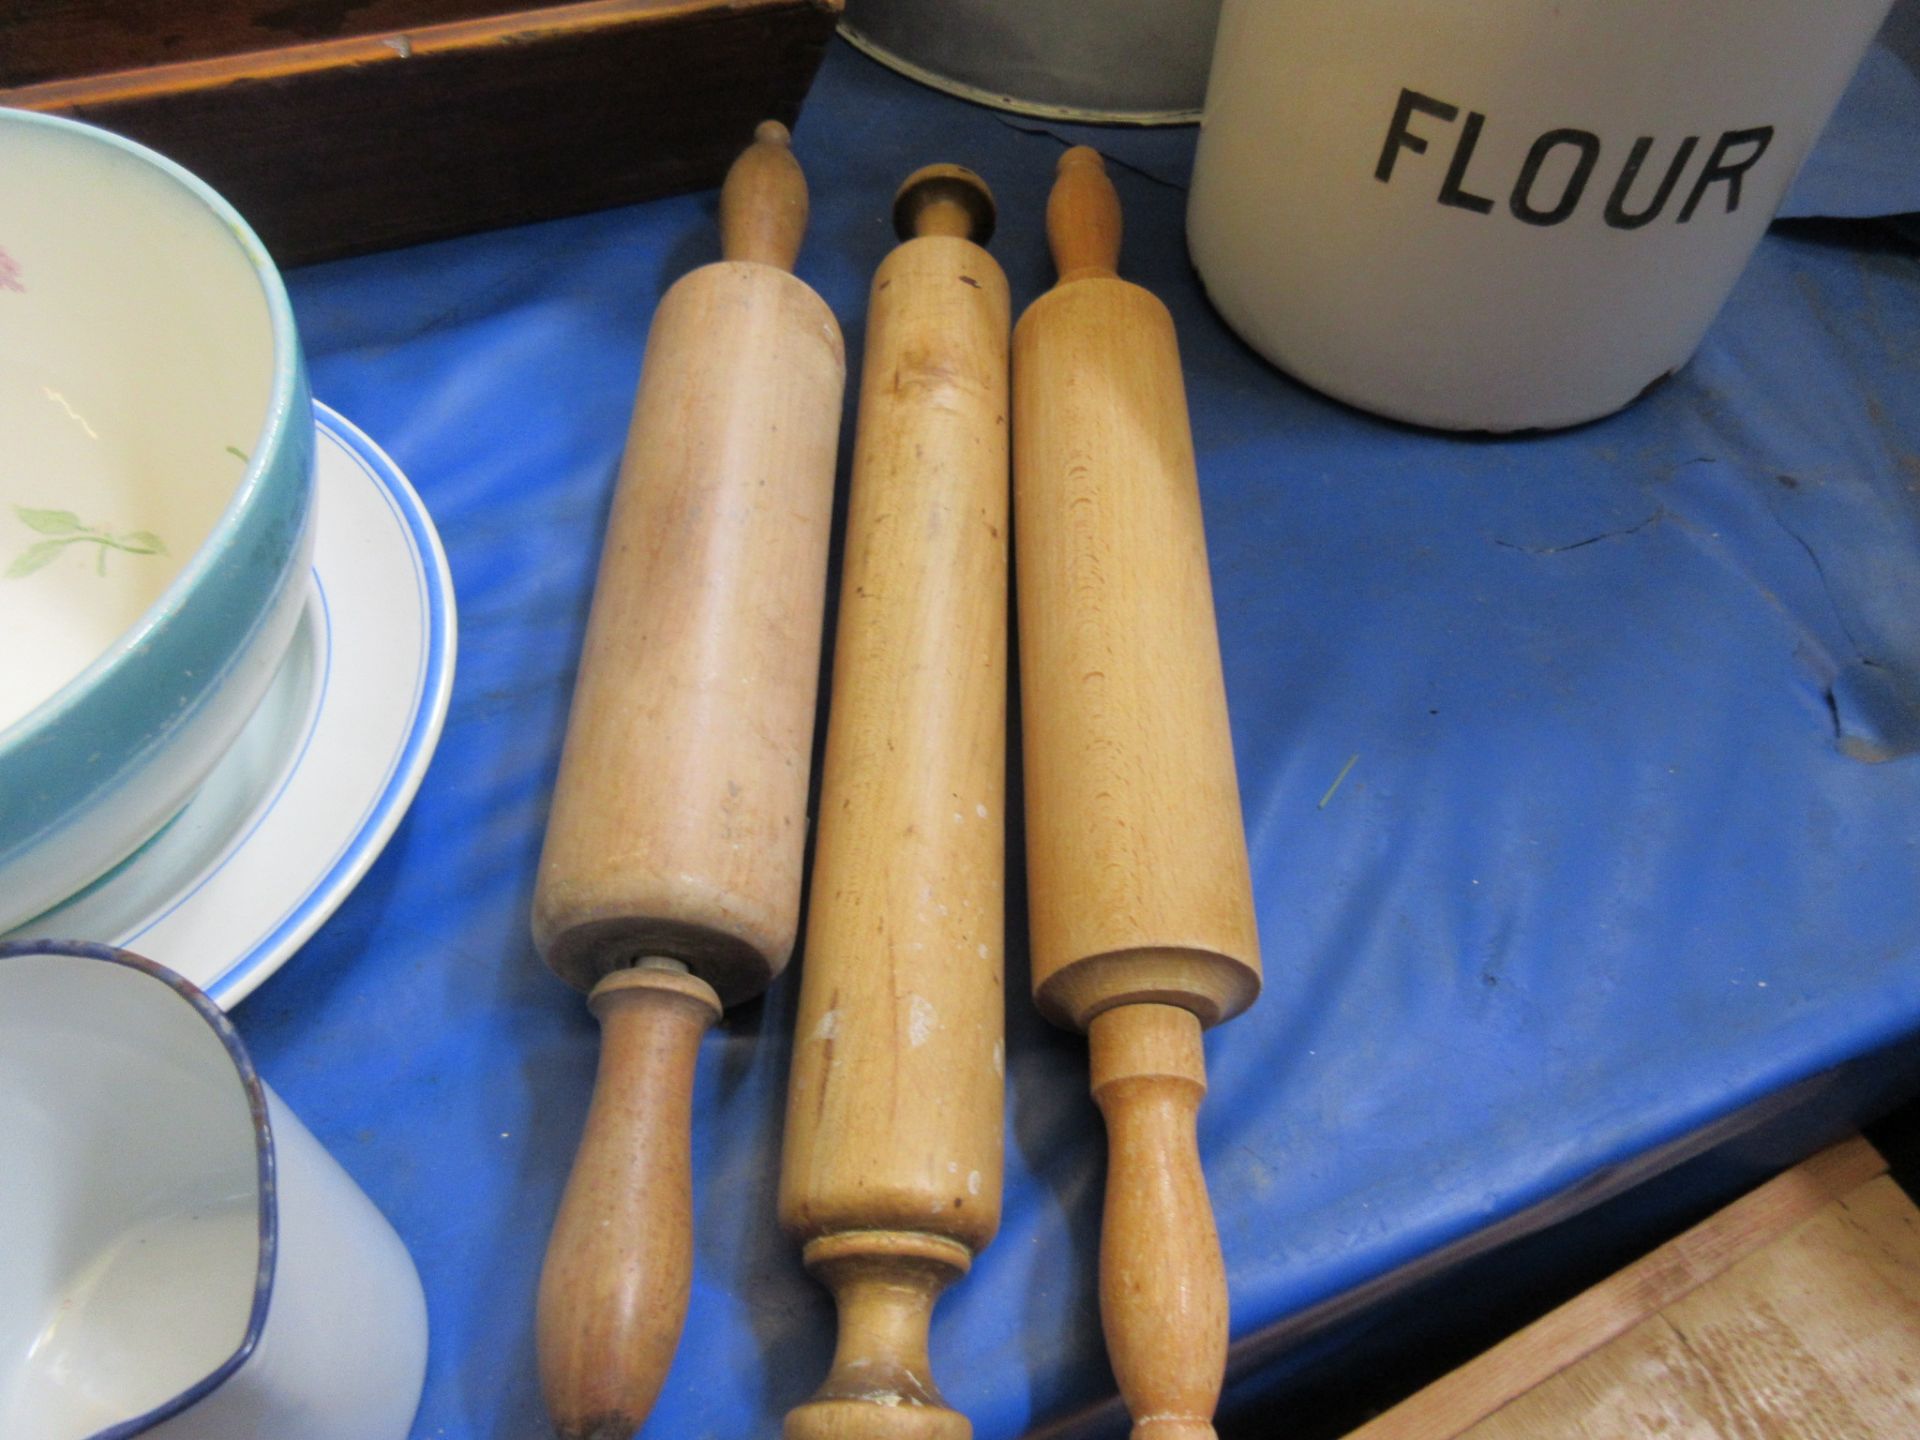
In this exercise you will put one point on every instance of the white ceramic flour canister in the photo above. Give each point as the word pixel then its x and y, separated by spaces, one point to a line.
pixel 1505 214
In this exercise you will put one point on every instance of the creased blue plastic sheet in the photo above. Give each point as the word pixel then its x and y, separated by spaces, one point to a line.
pixel 1868 160
pixel 1578 772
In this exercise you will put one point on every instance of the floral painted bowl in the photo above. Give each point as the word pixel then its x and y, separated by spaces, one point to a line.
pixel 156 484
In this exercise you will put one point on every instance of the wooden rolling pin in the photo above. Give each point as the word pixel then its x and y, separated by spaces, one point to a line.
pixel 1141 906
pixel 670 881
pixel 892 1168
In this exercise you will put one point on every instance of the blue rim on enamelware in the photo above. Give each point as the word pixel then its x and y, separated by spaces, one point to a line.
pixel 384 814
pixel 433 579
pixel 263 1150
pixel 288 388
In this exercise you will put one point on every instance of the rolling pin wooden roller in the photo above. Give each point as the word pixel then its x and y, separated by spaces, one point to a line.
pixel 1140 903
pixel 892 1167
pixel 670 882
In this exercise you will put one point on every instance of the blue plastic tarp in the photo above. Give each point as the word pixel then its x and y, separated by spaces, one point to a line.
pixel 1578 772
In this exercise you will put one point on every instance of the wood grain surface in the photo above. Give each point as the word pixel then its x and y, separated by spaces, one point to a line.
pixel 669 883
pixel 1793 1314
pixel 891 1174
pixel 1139 888
pixel 338 129
pixel 1140 903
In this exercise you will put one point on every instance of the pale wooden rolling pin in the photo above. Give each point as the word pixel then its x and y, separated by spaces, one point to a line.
pixel 892 1169
pixel 670 881
pixel 1141 908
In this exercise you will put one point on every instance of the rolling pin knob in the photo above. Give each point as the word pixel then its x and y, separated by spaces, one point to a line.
pixel 1083 217
pixel 763 204
pixel 613 1291
pixel 944 200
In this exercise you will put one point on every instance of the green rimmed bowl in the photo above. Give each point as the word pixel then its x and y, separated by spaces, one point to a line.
pixel 156 485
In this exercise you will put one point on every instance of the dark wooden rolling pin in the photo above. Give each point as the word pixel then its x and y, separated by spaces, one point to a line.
pixel 1141 908
pixel 892 1168
pixel 670 882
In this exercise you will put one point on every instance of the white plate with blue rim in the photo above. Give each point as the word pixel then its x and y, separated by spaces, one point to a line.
pixel 289 821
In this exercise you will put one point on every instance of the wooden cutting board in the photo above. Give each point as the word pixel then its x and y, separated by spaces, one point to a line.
pixel 1793 1314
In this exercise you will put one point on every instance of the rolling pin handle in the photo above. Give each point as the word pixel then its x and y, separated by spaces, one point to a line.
pixel 763 204
pixel 881 1387
pixel 619 1267
pixel 944 200
pixel 1163 1285
pixel 1083 217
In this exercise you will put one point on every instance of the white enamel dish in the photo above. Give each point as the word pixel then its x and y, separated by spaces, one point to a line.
pixel 183 1260
pixel 308 795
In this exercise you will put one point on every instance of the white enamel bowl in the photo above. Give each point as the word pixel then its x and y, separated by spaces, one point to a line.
pixel 183 1261
pixel 156 481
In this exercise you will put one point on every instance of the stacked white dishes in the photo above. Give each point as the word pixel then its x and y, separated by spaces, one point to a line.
pixel 156 483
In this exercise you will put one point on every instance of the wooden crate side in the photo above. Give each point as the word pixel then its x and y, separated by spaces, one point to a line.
pixel 43 40
pixel 471 129
pixel 1453 1405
